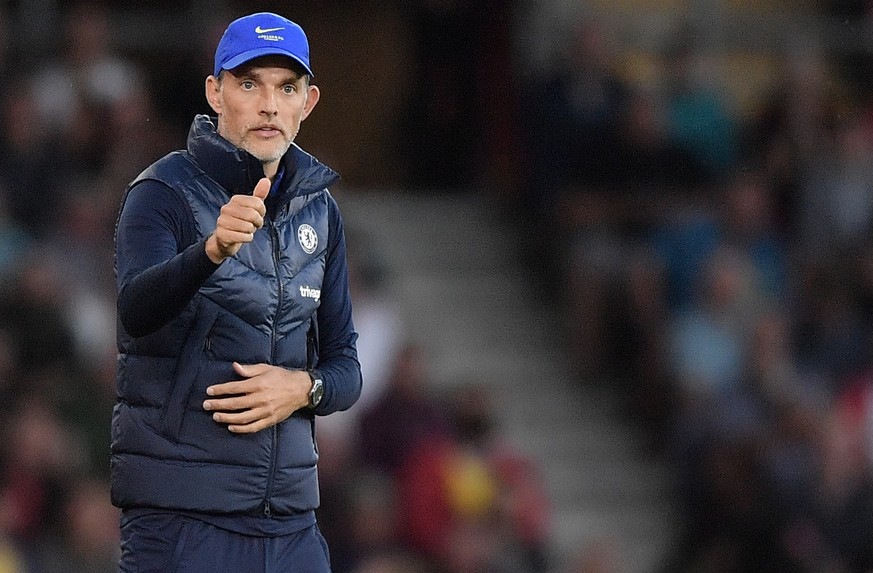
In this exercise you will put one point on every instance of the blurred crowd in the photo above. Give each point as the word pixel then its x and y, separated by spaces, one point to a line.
pixel 73 133
pixel 716 265
pixel 715 268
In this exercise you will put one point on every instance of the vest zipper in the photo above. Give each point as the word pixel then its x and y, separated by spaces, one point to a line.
pixel 274 247
pixel 274 430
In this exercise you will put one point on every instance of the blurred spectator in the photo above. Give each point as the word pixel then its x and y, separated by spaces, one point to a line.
pixel 699 119
pixel 469 501
pixel 33 307
pixel 30 168
pixel 89 72
pixel 521 504
pixel 403 425
pixel 37 458
pixel 645 160
pixel 740 214
pixel 846 487
pixel 837 199
pixel 404 417
pixel 428 520
pixel 573 116
pixel 830 337
pixel 709 338
pixel 80 249
pixel 784 135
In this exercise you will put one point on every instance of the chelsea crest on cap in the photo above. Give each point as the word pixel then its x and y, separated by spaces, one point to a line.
pixel 261 34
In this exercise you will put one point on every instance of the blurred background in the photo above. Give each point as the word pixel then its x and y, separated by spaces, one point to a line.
pixel 611 264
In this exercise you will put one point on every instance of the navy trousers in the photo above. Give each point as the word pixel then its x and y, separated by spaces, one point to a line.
pixel 167 543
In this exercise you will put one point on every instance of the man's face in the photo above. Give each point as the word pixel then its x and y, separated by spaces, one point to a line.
pixel 260 107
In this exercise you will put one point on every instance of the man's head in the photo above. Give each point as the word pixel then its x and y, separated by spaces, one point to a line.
pixel 260 87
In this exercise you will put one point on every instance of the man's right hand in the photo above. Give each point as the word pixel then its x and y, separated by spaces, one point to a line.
pixel 239 219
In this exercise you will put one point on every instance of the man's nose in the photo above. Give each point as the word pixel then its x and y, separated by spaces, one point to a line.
pixel 268 103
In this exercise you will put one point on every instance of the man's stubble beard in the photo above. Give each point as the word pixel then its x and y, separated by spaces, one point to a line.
pixel 272 157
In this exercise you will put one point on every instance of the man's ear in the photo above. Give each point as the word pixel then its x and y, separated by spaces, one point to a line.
pixel 312 95
pixel 213 92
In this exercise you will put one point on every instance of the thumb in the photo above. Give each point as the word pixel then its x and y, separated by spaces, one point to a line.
pixel 249 370
pixel 262 188
pixel 243 369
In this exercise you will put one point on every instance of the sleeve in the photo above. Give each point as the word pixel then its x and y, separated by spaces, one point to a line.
pixel 159 263
pixel 338 364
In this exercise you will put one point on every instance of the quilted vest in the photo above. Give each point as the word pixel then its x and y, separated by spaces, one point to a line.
pixel 258 307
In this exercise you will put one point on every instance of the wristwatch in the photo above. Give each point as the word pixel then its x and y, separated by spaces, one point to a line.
pixel 317 390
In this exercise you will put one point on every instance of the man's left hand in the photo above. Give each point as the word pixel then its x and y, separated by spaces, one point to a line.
pixel 266 396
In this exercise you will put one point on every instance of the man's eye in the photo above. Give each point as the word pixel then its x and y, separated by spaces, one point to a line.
pixel 248 85
pixel 289 89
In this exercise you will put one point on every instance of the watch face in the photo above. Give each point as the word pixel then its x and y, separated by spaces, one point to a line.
pixel 316 393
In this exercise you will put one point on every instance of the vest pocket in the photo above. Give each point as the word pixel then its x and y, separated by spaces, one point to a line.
pixel 188 365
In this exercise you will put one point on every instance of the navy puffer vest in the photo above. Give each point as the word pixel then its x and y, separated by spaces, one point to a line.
pixel 167 452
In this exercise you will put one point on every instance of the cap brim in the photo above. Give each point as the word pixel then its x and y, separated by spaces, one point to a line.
pixel 244 57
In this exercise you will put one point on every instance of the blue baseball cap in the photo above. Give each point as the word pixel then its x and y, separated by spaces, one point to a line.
pixel 261 34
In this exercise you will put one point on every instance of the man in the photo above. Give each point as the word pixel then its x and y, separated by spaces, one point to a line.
pixel 234 326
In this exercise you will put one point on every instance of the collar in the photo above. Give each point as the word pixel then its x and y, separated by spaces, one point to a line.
pixel 237 171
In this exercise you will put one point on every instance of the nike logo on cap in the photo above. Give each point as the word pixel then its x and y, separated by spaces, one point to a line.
pixel 259 30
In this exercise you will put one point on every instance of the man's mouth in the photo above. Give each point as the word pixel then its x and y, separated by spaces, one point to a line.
pixel 267 130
